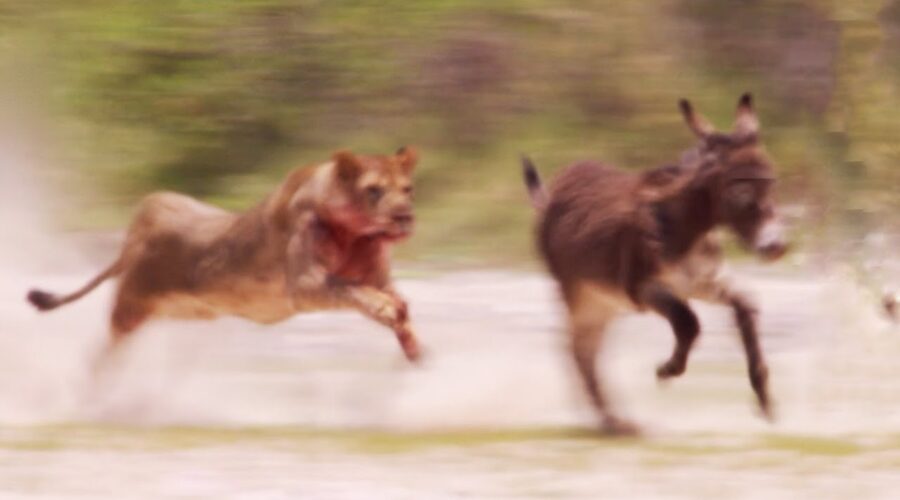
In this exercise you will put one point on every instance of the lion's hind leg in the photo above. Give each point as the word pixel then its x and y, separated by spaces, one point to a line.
pixel 128 314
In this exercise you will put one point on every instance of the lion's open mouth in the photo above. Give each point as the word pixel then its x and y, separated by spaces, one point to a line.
pixel 400 232
pixel 394 231
pixel 400 225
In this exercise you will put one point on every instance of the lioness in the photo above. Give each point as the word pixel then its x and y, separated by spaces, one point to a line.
pixel 321 240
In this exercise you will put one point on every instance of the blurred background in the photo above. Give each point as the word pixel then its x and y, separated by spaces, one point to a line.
pixel 221 99
pixel 104 101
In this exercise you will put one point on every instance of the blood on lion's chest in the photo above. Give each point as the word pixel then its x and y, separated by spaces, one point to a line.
pixel 357 261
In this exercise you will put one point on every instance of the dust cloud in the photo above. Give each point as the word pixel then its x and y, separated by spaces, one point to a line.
pixel 495 352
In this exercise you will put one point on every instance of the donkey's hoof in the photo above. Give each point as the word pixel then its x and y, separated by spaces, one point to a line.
pixel 669 369
pixel 617 427
pixel 767 412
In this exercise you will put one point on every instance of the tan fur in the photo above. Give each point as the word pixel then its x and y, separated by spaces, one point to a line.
pixel 319 241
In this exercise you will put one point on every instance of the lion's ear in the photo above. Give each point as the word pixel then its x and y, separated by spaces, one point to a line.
pixel 347 166
pixel 408 157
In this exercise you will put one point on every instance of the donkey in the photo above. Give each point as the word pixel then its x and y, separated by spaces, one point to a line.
pixel 617 241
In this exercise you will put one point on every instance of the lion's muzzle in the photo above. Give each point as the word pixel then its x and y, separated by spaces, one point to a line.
pixel 402 224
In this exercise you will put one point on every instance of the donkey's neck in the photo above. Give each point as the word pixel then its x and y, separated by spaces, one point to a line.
pixel 685 216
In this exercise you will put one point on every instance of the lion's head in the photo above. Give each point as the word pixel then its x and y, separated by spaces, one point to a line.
pixel 375 193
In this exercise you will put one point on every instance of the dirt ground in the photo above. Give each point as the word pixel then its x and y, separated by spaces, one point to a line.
pixel 323 406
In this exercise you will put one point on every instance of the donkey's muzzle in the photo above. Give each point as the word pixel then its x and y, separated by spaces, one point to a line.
pixel 770 242
pixel 773 251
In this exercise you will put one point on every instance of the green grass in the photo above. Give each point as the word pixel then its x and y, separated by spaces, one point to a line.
pixel 810 445
pixel 573 440
pixel 220 100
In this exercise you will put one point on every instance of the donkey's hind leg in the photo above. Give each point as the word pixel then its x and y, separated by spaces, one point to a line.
pixel 587 323
pixel 684 323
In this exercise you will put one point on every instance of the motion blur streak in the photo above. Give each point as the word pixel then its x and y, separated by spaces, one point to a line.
pixel 102 102
pixel 495 393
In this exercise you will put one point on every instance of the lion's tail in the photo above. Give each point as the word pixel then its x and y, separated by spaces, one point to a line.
pixel 45 301
pixel 533 182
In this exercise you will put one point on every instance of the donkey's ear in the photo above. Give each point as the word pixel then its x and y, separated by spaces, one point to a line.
pixel 347 166
pixel 408 157
pixel 698 125
pixel 745 123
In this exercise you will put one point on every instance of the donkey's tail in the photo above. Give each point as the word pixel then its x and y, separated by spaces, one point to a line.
pixel 45 301
pixel 533 182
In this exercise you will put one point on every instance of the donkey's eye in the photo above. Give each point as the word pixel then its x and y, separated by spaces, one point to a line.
pixel 742 194
pixel 374 193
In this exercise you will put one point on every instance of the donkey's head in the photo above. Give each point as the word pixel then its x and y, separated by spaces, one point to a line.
pixel 743 178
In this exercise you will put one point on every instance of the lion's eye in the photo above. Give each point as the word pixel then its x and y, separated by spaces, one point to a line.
pixel 408 190
pixel 374 193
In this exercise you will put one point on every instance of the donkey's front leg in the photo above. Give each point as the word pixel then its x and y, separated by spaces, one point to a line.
pixel 745 312
pixel 745 315
pixel 684 323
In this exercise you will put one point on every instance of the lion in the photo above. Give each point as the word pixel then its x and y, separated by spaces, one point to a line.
pixel 320 241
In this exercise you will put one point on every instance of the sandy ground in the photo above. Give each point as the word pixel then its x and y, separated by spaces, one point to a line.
pixel 323 406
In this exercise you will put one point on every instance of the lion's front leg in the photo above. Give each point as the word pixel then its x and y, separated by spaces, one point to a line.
pixel 389 309
pixel 308 275
pixel 404 331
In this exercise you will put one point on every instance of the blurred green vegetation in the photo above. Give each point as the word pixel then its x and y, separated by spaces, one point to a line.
pixel 221 99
